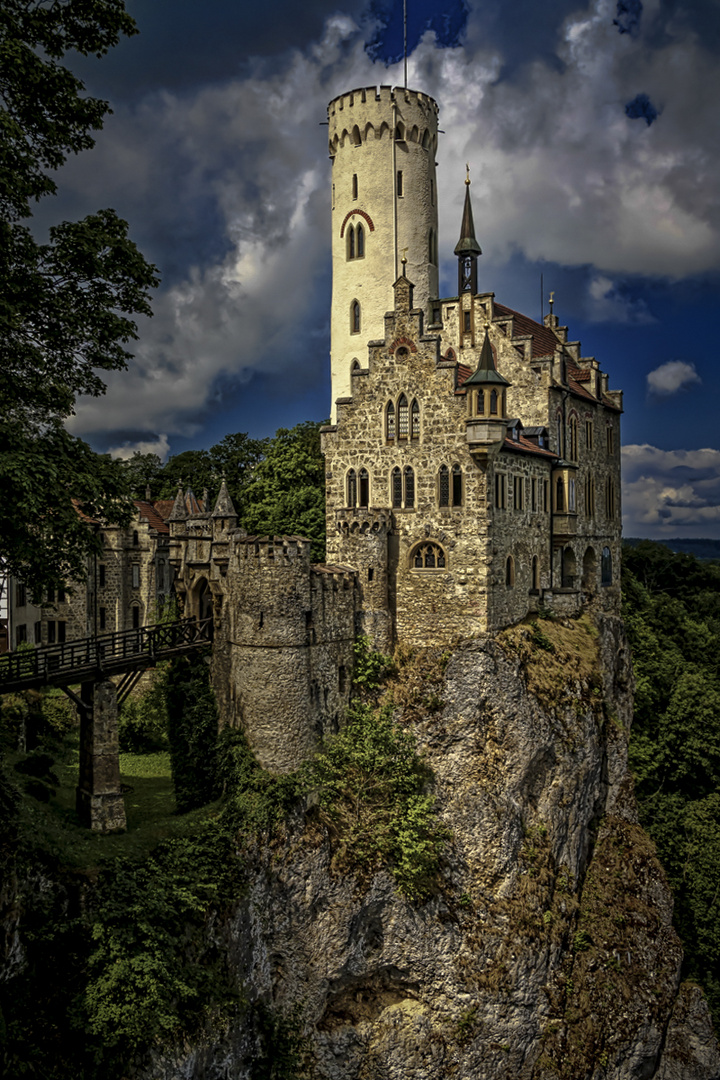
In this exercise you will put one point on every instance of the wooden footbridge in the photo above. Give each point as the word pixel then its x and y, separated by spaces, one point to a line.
pixel 87 665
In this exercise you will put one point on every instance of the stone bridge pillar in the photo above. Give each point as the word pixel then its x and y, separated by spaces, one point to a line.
pixel 99 800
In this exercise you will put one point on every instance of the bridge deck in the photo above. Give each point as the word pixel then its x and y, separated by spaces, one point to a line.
pixel 98 657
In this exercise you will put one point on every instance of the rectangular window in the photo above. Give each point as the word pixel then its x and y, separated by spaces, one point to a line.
pixel 61 632
pixel 20 634
pixel 136 576
pixel 610 441
pixel 51 596
pixel 519 492
pixel 400 183
pixel 545 495
pixel 533 494
pixel 354 186
pixel 457 486
pixel 500 491
pixel 61 596
pixel 101 575
pixel 588 434
pixel 102 618
pixel 571 496
pixel 37 633
pixel 20 596
pixel 51 631
pixel 466 322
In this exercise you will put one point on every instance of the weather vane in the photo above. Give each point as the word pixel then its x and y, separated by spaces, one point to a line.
pixel 551 301
pixel 467 175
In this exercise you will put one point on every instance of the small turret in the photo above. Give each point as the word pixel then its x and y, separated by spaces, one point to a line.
pixel 179 511
pixel 487 403
pixel 467 248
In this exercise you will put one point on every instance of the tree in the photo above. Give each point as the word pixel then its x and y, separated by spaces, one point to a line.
pixel 287 491
pixel 64 304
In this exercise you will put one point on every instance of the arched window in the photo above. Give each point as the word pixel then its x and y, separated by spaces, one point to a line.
pixel 355 137
pixel 390 421
pixel 399 136
pixel 509 571
pixel 535 574
pixel 560 448
pixel 573 438
pixel 409 477
pixel 479 402
pixel 572 505
pixel 364 488
pixel 396 486
pixel 444 486
pixel 426 139
pixel 355 317
pixel 415 420
pixel 560 495
pixel 493 402
pixel 427 556
pixel 360 241
pixel 606 567
pixel 355 366
pixel 569 568
pixel 403 418
pixel 352 488
pixel 610 500
pixel 351 242
pixel 457 485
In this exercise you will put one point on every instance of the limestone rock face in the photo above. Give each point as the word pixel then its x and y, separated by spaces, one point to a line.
pixel 548 950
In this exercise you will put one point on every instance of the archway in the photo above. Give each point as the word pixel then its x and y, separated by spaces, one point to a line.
pixel 569 568
pixel 589 575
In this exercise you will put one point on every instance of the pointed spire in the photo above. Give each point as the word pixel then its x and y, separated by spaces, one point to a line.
pixel 486 370
pixel 224 507
pixel 179 511
pixel 467 244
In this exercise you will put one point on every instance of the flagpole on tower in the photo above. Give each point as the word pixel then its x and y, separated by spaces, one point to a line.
pixel 405 38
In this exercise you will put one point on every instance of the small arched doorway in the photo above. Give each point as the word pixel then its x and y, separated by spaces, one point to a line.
pixel 569 568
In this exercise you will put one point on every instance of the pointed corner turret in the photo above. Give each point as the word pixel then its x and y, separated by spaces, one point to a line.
pixel 467 248
pixel 179 511
pixel 224 507
pixel 487 404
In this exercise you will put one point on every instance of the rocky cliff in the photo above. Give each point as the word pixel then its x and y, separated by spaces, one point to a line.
pixel 547 949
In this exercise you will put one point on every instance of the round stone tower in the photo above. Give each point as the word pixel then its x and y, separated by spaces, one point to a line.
pixel 383 143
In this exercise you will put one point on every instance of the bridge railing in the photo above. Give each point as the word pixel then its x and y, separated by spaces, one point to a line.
pixel 118 650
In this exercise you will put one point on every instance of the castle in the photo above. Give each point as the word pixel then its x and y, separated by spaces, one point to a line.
pixel 472 463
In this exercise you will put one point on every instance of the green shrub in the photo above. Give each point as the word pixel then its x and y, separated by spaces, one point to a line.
pixel 371 793
pixel 193 732
pixel 143 721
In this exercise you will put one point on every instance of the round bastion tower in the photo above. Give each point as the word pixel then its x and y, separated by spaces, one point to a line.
pixel 383 143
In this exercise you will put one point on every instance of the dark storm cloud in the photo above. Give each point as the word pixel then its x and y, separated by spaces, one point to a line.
pixel 641 108
pixel 629 13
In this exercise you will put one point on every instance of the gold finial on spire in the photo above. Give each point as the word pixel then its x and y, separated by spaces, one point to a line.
pixel 551 301
pixel 404 260
pixel 467 175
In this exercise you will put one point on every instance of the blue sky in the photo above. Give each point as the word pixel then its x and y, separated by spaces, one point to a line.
pixel 592 131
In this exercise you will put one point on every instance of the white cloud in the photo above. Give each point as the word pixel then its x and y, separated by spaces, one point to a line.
pixel 606 304
pixel 670 492
pixel 671 377
pixel 159 446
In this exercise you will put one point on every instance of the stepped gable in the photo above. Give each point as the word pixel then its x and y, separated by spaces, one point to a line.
pixel 544 340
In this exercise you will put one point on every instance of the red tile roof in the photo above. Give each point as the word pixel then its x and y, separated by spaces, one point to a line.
pixel 543 339
pixel 527 447
pixel 153 518
pixel 164 507
pixel 463 372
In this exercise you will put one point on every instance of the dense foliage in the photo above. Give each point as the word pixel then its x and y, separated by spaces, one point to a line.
pixel 65 313
pixel 193 732
pixel 277 484
pixel 672 615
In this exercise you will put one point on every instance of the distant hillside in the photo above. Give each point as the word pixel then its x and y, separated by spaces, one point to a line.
pixel 699 547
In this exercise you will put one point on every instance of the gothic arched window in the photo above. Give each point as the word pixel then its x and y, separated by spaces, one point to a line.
pixel 355 317
pixel 390 421
pixel 560 495
pixel 396 487
pixel 493 402
pixel 351 242
pixel 352 488
pixel 457 485
pixel 415 421
pixel 409 477
pixel 355 137
pixel 403 427
pixel 427 556
pixel 573 438
pixel 360 241
pixel 510 571
pixel 364 486
pixel 444 486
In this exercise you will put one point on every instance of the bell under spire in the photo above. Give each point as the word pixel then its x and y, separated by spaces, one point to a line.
pixel 467 248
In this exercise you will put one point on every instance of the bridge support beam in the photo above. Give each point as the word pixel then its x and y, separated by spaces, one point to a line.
pixel 99 800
